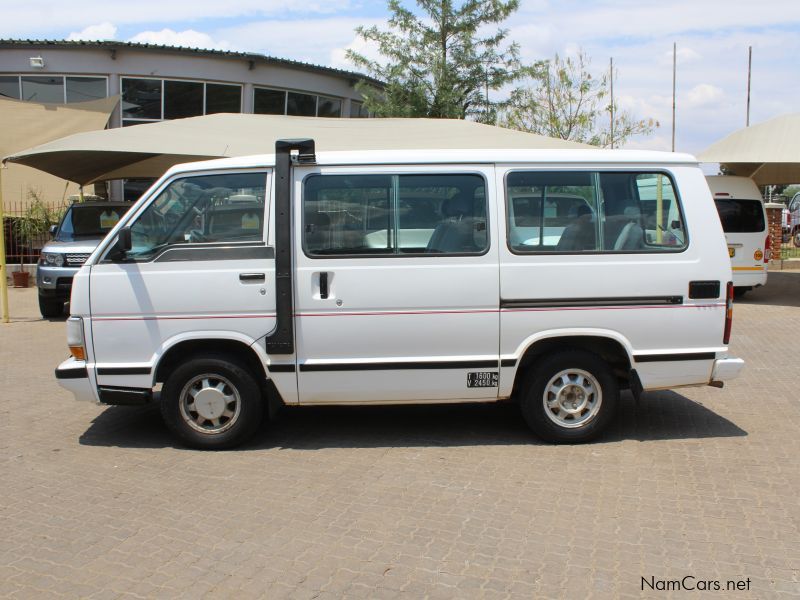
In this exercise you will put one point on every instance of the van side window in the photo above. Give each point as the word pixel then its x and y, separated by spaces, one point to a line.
pixel 202 209
pixel 352 215
pixel 593 212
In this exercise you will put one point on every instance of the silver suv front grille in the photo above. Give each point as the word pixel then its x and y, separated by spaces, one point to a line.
pixel 76 260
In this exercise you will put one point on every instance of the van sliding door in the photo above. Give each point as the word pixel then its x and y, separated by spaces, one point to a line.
pixel 396 284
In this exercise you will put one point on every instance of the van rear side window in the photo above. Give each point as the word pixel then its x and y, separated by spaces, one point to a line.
pixel 740 216
pixel 367 215
pixel 592 212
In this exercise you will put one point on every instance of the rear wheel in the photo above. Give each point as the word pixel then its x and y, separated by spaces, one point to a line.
pixel 738 292
pixel 796 239
pixel 51 307
pixel 212 403
pixel 569 397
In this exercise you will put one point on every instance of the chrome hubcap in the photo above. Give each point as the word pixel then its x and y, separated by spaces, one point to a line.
pixel 210 403
pixel 572 398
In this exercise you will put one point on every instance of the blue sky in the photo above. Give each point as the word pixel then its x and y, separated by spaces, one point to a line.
pixel 712 38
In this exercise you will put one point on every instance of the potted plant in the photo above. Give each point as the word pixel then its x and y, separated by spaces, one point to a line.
pixel 32 227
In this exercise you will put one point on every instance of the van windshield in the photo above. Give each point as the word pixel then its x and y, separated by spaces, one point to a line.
pixel 89 221
pixel 740 216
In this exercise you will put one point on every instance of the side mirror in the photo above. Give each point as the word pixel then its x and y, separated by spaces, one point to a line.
pixel 52 230
pixel 124 242
pixel 121 247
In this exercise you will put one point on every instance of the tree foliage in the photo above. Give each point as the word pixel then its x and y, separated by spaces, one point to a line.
pixel 439 64
pixel 562 99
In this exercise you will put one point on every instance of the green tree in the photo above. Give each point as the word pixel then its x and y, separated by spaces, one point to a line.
pixel 562 99
pixel 436 64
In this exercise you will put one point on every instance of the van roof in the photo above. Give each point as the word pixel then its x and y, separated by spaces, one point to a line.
pixel 478 156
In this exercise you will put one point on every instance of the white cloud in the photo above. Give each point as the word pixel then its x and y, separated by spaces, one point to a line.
pixel 339 55
pixel 704 95
pixel 49 18
pixel 683 56
pixel 188 38
pixel 316 41
pixel 101 31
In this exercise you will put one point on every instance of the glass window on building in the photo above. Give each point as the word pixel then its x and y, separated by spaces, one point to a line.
pixel 134 188
pixel 357 110
pixel 43 88
pixel 141 99
pixel 223 98
pixel 329 107
pixel 301 105
pixel 269 102
pixel 183 99
pixel 83 89
pixel 9 86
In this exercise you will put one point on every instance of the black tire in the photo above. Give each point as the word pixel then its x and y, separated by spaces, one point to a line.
pixel 51 307
pixel 588 420
pixel 739 292
pixel 219 379
pixel 796 239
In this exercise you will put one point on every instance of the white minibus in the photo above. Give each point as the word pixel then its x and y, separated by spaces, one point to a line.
pixel 550 278
pixel 744 221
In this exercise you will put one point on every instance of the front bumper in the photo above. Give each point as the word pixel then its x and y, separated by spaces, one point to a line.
pixel 73 375
pixel 726 369
pixel 55 281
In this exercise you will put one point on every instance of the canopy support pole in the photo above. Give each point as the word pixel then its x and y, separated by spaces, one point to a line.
pixel 3 265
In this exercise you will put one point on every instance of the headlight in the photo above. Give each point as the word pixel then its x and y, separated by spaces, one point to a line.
pixel 75 338
pixel 52 259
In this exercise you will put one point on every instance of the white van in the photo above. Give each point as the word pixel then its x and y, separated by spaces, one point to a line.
pixel 744 221
pixel 552 278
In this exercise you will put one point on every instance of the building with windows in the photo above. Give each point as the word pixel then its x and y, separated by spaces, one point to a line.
pixel 161 82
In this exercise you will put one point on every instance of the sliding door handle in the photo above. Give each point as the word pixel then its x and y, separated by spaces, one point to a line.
pixel 252 277
pixel 323 285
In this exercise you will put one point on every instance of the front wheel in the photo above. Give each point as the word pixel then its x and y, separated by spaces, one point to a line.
pixel 51 308
pixel 796 239
pixel 569 397
pixel 211 403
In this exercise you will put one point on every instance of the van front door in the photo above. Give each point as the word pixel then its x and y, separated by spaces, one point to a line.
pixel 199 267
pixel 396 289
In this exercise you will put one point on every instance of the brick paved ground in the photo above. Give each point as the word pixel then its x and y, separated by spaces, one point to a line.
pixel 443 502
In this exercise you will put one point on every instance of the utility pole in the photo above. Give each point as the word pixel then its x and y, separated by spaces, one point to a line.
pixel 611 110
pixel 674 76
pixel 749 69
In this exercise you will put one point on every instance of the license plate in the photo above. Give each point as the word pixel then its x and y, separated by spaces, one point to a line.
pixel 731 252
pixel 483 379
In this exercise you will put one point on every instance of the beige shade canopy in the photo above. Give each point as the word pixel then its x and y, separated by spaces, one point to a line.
pixel 24 124
pixel 768 153
pixel 149 150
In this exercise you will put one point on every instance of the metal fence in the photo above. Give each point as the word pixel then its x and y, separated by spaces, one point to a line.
pixel 19 250
pixel 788 250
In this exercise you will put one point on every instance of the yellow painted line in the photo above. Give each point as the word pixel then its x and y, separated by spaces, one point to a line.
pixel 748 268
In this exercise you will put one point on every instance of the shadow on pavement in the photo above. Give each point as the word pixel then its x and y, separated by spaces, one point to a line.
pixel 782 289
pixel 659 416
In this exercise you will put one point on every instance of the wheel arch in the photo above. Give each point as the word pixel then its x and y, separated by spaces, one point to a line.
pixel 178 350
pixel 612 347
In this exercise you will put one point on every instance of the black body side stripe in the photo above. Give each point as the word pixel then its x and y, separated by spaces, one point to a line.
pixel 568 302
pixel 674 357
pixel 77 373
pixel 395 366
pixel 508 362
pixel 281 368
pixel 123 371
